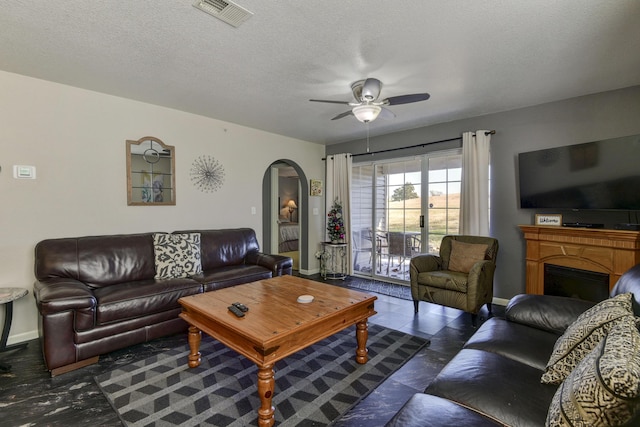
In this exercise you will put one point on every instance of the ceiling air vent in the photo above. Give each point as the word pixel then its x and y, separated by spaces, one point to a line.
pixel 226 11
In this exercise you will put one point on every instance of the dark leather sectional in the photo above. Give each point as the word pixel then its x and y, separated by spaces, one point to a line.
pixel 495 378
pixel 98 294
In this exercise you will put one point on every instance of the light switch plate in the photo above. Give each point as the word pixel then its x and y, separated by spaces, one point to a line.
pixel 24 172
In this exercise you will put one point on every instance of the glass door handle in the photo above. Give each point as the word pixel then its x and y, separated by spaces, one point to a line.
pixel 421 221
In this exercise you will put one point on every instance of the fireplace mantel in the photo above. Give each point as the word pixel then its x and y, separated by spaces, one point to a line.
pixel 605 251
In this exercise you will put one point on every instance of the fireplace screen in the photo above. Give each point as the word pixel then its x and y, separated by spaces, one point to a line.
pixel 576 283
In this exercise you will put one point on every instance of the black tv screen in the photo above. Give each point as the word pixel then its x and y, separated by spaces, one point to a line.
pixel 602 175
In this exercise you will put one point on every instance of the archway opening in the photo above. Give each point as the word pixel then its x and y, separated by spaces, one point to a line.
pixel 278 220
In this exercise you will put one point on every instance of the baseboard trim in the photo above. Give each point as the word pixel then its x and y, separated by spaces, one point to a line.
pixel 25 336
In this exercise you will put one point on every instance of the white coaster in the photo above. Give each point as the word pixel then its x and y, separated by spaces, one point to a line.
pixel 305 299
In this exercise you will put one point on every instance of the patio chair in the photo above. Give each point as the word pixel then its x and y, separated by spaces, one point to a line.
pixel 381 246
pixel 361 245
pixel 403 246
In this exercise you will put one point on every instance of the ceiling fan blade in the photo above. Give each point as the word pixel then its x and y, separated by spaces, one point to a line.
pixel 341 115
pixel 371 89
pixel 330 102
pixel 407 99
pixel 385 113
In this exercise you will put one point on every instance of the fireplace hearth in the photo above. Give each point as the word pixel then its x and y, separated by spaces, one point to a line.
pixel 575 283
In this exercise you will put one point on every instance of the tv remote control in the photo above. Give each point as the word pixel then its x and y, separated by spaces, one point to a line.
pixel 235 310
pixel 241 307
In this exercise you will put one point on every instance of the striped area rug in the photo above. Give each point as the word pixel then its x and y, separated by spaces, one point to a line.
pixel 315 386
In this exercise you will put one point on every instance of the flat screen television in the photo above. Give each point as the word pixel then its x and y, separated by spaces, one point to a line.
pixel 602 175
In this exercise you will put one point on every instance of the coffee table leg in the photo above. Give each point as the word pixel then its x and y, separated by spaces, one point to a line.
pixel 266 385
pixel 194 344
pixel 362 333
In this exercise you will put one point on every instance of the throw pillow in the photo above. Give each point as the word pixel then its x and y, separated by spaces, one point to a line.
pixel 583 335
pixel 465 255
pixel 604 389
pixel 176 255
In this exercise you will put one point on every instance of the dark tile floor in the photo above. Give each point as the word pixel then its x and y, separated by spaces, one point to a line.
pixel 30 397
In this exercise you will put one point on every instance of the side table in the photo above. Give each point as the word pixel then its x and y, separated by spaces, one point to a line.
pixel 333 263
pixel 7 297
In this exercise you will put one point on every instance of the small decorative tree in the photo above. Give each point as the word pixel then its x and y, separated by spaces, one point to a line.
pixel 335 222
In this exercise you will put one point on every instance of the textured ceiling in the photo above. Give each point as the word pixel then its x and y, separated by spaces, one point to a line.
pixel 473 57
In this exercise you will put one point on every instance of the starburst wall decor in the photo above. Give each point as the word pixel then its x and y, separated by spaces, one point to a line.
pixel 207 174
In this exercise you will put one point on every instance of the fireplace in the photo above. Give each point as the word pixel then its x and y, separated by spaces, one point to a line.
pixel 576 283
pixel 608 252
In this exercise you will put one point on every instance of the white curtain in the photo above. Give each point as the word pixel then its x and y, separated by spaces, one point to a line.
pixel 474 206
pixel 338 187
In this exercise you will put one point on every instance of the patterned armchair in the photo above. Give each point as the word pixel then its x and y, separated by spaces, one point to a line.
pixel 460 277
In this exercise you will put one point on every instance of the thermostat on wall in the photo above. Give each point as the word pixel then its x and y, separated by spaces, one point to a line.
pixel 24 172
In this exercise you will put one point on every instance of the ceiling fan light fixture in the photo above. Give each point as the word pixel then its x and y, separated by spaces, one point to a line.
pixel 366 113
pixel 370 89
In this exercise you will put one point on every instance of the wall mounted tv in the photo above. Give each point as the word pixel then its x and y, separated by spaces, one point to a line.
pixel 603 175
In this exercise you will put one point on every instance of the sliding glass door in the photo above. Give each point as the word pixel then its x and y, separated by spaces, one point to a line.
pixel 442 213
pixel 402 208
pixel 397 214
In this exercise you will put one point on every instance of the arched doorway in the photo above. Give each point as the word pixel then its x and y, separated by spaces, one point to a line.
pixel 271 206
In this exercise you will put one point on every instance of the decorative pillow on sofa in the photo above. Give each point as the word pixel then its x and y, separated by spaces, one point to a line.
pixel 604 389
pixel 177 255
pixel 584 334
pixel 465 255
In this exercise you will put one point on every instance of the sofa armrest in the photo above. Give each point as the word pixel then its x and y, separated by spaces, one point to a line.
pixel 428 262
pixel 481 274
pixel 278 264
pixel 419 264
pixel 546 312
pixel 62 294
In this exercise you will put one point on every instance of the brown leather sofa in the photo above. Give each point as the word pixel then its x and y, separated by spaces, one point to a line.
pixel 97 294
pixel 496 378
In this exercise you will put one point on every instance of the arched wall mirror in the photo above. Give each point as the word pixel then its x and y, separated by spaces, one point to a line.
pixel 151 178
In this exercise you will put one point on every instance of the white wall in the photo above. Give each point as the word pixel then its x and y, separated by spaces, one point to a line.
pixel 76 140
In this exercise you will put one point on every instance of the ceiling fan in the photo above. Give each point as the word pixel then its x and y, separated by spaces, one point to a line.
pixel 367 107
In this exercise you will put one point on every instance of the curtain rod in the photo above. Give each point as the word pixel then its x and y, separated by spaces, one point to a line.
pixel 490 132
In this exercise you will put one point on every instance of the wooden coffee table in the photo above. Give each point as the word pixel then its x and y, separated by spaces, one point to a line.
pixel 276 325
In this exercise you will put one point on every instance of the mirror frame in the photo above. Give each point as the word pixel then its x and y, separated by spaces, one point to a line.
pixel 131 145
